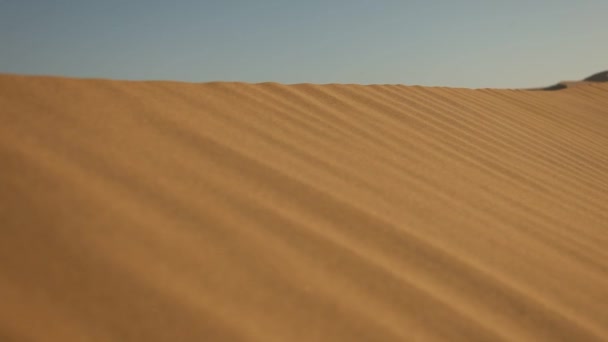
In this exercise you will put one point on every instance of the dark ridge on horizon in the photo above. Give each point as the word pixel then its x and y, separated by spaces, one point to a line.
pixel 599 77
pixel 595 78
pixel 558 86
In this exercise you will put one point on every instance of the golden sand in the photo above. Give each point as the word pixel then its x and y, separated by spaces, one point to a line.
pixel 165 211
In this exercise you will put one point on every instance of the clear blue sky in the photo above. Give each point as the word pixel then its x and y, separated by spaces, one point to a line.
pixel 517 43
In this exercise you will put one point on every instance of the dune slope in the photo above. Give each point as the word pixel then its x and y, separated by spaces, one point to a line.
pixel 164 211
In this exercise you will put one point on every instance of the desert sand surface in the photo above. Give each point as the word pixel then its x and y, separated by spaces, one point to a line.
pixel 167 211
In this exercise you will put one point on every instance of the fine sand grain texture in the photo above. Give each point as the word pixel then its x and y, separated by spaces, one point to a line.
pixel 165 211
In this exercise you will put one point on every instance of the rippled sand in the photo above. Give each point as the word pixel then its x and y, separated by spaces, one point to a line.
pixel 165 211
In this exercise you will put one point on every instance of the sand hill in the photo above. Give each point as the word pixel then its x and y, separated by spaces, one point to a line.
pixel 599 77
pixel 165 211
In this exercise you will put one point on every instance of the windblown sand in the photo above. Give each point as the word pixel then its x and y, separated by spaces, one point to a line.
pixel 165 211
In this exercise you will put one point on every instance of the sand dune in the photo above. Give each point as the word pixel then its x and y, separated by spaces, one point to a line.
pixel 595 78
pixel 599 77
pixel 165 211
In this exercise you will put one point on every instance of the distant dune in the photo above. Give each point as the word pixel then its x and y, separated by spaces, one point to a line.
pixel 166 211
pixel 599 77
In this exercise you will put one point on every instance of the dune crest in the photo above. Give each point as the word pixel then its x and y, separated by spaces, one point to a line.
pixel 167 211
pixel 599 77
